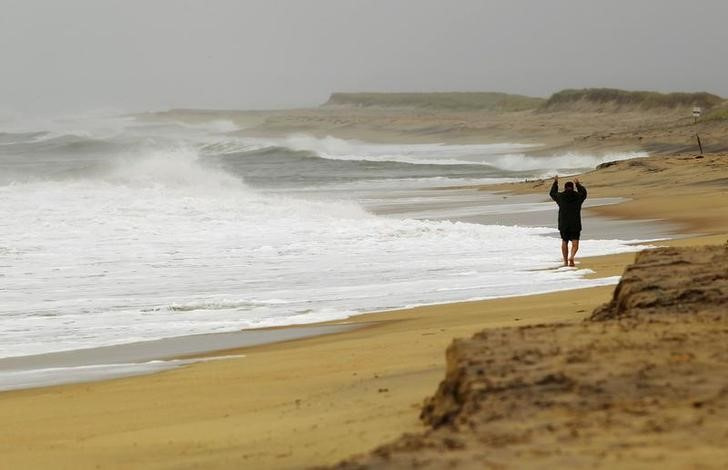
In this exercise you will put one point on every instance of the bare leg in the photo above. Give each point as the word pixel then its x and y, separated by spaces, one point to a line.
pixel 565 251
pixel 574 249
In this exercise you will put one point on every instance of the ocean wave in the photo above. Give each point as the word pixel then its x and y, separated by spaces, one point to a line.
pixel 219 304
pixel 94 125
pixel 177 167
pixel 415 154
pixel 567 161
pixel 159 232
pixel 12 138
pixel 216 126
pixel 297 159
pixel 116 258
pixel 43 142
pixel 502 156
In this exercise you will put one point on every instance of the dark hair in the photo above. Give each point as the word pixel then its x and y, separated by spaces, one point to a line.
pixel 569 185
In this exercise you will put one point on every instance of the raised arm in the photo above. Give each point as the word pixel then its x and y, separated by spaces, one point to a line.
pixel 555 189
pixel 580 189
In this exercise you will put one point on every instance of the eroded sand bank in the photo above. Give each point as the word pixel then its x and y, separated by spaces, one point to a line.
pixel 640 384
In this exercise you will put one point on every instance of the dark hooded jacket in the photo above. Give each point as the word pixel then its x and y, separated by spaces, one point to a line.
pixel 569 202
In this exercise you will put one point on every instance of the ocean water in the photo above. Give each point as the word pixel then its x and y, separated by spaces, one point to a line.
pixel 114 230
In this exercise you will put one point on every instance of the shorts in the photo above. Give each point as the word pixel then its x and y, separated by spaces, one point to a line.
pixel 570 235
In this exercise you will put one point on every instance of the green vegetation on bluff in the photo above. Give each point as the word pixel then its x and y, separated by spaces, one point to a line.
pixel 587 99
pixel 455 101
pixel 567 99
pixel 719 113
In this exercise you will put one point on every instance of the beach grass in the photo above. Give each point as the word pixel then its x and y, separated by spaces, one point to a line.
pixel 459 101
pixel 718 114
pixel 594 99
pixel 625 98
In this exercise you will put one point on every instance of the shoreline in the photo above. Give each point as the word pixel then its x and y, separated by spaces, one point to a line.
pixel 332 387
pixel 110 362
pixel 311 401
pixel 294 404
pixel 145 357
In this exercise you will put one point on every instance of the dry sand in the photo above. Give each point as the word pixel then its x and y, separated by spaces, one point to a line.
pixel 318 400
pixel 641 384
pixel 690 190
pixel 586 128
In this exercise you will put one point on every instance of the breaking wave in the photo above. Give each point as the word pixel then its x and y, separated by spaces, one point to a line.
pixel 142 232
pixel 508 157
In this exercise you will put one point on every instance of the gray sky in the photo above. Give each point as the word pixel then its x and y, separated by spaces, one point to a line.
pixel 75 55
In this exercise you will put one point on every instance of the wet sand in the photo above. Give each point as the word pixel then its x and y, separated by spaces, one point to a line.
pixel 123 360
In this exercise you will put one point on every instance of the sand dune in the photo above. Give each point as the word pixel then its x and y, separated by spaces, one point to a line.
pixel 596 126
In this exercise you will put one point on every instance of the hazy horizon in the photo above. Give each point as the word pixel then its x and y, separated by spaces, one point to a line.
pixel 132 56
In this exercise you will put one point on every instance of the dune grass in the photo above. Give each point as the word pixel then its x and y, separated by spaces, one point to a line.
pixel 719 113
pixel 624 98
pixel 459 101
pixel 569 99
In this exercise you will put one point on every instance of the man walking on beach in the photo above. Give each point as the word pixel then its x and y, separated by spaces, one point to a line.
pixel 569 202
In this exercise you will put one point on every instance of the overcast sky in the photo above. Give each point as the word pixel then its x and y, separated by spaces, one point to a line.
pixel 75 55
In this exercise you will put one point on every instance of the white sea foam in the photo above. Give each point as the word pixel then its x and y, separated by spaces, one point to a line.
pixel 428 154
pixel 164 246
pixel 171 168
pixel 94 125
pixel 217 126
pixel 567 161
pixel 141 238
pixel 30 378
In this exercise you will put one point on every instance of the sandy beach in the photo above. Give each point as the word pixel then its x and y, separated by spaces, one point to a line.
pixel 581 128
pixel 287 405
pixel 638 384
pixel 315 401
pixel 327 235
